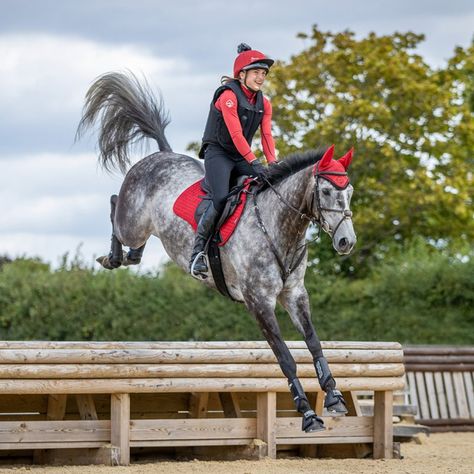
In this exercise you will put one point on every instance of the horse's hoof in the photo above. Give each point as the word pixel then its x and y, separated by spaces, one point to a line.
pixel 335 404
pixel 312 422
pixel 339 409
pixel 107 263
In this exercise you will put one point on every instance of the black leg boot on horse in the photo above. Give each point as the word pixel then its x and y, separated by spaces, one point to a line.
pixel 334 402
pixel 198 265
pixel 117 257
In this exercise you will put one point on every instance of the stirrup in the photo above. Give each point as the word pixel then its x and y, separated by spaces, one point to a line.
pixel 198 276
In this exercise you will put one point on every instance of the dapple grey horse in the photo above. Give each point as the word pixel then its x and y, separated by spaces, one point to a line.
pixel 264 261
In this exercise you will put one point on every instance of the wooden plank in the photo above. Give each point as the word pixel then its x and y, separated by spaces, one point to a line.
pixel 66 431
pixel 432 398
pixel 51 445
pixel 120 426
pixel 469 392
pixel 434 349
pixel 448 385
pixel 441 395
pixel 179 431
pixel 266 421
pixel 188 356
pixel 422 396
pixel 329 440
pixel 131 370
pixel 130 345
pixel 383 426
pixel 93 386
pixel 412 391
pixel 440 360
pixel 56 407
pixel 460 395
pixel 427 367
pixel 339 427
pixel 86 407
pixel 190 442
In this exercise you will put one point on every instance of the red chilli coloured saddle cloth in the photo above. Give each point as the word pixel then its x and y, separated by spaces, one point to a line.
pixel 188 201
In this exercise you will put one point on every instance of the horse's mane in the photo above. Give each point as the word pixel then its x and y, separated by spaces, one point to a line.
pixel 293 163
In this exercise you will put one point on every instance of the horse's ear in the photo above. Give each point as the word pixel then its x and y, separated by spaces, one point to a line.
pixel 327 157
pixel 346 159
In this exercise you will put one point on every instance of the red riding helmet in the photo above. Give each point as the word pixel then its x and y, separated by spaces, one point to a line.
pixel 249 58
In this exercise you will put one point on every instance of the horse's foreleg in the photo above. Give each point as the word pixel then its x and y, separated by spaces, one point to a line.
pixel 268 323
pixel 296 302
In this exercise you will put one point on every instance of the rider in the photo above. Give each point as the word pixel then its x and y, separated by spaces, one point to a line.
pixel 237 110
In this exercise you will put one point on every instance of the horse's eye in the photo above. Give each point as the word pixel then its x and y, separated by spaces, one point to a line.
pixel 326 191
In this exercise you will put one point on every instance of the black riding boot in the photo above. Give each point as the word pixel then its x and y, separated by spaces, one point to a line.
pixel 197 264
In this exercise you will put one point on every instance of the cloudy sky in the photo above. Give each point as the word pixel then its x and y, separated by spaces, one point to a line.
pixel 54 196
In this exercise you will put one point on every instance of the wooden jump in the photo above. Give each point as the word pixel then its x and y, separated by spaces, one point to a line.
pixel 114 396
pixel 440 382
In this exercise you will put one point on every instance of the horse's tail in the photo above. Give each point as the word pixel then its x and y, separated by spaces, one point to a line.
pixel 126 112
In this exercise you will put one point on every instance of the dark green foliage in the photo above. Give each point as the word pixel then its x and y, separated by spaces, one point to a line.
pixel 419 295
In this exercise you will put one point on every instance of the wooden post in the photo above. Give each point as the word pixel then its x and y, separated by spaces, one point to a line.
pixel 266 420
pixel 56 407
pixel 120 426
pixel 383 425
pixel 86 407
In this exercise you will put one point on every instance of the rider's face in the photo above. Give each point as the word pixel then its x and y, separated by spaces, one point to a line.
pixel 253 78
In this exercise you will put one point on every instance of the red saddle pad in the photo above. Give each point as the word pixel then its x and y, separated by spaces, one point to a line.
pixel 188 201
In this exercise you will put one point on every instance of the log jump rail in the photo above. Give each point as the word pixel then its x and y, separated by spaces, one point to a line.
pixel 110 397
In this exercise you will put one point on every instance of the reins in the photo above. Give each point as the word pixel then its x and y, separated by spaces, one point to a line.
pixel 347 214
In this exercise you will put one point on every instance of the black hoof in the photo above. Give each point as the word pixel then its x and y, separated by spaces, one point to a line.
pixel 335 404
pixel 339 409
pixel 312 422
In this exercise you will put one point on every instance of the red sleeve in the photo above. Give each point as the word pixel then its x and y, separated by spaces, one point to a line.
pixel 227 105
pixel 268 143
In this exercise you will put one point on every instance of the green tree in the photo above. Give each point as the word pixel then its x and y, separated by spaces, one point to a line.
pixel 411 126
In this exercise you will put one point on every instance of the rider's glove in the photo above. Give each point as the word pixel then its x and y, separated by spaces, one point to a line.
pixel 259 170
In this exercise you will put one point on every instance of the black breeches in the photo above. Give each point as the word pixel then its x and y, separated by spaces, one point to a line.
pixel 221 173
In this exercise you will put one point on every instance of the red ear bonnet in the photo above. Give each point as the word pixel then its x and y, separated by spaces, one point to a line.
pixel 334 170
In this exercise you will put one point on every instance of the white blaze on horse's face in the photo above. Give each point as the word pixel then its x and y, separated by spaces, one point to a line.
pixel 336 216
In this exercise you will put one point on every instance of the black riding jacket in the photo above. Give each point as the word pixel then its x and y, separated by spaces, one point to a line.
pixel 250 116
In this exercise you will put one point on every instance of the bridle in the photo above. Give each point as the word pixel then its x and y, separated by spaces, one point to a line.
pixel 319 220
pixel 346 213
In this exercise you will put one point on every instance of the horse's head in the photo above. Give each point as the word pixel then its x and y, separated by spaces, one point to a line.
pixel 331 200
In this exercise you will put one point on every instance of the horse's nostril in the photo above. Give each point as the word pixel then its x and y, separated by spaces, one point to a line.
pixel 343 243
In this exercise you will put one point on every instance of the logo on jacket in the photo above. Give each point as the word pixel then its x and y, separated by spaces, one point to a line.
pixel 230 103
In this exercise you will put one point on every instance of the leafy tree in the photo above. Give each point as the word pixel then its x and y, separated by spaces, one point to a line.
pixel 412 128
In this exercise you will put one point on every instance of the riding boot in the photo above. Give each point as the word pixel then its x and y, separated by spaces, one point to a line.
pixel 197 264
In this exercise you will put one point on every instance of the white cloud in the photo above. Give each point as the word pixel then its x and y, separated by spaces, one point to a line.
pixel 44 78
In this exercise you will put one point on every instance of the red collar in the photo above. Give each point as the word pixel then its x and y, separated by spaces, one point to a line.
pixel 251 96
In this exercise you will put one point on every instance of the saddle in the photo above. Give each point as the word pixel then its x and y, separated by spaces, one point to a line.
pixel 190 205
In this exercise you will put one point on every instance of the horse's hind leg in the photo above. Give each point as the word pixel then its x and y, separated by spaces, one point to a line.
pixel 267 320
pixel 296 302
pixel 115 257
pixel 134 256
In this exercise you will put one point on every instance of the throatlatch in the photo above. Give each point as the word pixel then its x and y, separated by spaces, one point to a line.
pixel 334 401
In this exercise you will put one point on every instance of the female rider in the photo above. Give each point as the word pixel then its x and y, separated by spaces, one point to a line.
pixel 237 110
